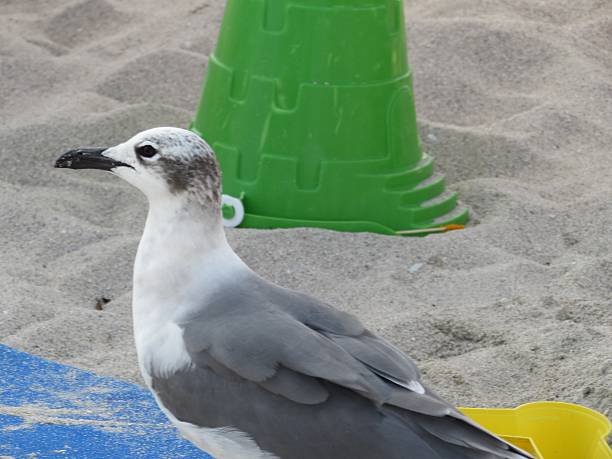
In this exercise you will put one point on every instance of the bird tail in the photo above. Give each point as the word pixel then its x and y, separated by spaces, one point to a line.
pixel 454 435
pixel 476 441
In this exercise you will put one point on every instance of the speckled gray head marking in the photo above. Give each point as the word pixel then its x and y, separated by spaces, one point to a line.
pixel 161 162
pixel 184 160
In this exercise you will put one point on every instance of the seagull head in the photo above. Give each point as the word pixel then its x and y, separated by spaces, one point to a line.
pixel 164 163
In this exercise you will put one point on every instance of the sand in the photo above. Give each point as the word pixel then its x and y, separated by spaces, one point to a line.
pixel 514 102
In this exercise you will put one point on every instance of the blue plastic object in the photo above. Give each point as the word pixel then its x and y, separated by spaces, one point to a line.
pixel 49 410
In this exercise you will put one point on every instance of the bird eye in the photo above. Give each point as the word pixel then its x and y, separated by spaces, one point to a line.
pixel 146 151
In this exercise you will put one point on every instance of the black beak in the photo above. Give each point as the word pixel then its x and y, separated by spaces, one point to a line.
pixel 88 158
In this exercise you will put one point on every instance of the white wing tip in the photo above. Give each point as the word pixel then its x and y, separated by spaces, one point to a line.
pixel 416 386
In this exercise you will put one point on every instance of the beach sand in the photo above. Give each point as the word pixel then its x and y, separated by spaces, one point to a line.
pixel 514 102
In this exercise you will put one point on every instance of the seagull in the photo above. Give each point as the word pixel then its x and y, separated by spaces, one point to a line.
pixel 244 368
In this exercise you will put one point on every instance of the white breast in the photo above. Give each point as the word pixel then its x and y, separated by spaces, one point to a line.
pixel 171 286
pixel 177 266
pixel 161 350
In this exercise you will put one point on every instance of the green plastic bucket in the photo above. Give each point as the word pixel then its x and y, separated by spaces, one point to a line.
pixel 309 107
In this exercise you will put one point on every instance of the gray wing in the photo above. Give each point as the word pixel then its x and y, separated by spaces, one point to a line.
pixel 278 362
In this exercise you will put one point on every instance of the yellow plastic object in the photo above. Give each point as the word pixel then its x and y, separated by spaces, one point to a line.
pixel 549 430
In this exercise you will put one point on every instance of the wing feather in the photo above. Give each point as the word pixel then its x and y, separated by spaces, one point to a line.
pixel 293 345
